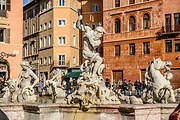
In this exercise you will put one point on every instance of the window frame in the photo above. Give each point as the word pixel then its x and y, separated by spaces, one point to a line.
pixel 168 49
pixel 117 25
pixel 60 62
pixel 61 25
pixel 146 48
pixel 74 40
pixel 132 26
pixel 133 52
pixel 117 3
pixel 61 3
pixel 117 53
pixel 146 21
pixel 177 45
pixel 95 8
pixel 63 42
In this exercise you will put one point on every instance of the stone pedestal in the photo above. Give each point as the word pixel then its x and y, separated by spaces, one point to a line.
pixel 13 111
pixel 146 111
pixel 28 111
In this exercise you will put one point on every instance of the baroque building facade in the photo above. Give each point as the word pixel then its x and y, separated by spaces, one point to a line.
pixel 11 19
pixel 137 32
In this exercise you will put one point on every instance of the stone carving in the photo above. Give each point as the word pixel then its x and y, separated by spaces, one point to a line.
pixel 159 89
pixel 55 85
pixel 8 90
pixel 24 87
pixel 92 88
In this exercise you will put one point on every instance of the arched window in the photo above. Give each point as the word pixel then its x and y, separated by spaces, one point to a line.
pixel 117 3
pixel 117 26
pixel 146 21
pixel 132 23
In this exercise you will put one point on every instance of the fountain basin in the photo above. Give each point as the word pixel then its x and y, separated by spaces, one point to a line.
pixel 31 111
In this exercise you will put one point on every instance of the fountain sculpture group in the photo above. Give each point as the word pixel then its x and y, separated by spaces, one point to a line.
pixel 92 89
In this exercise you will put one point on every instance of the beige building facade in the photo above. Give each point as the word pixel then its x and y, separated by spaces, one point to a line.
pixel 57 37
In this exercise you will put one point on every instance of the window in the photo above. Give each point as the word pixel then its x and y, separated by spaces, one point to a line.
pixel 50 4
pixel 168 22
pixel 131 1
pixel 146 47
pixel 3 4
pixel 146 21
pixel 61 3
pixel 45 41
pixel 61 59
pixel 33 50
pixel 2 34
pixel 50 40
pixel 74 60
pixel 132 23
pixel 74 25
pixel 45 60
pixel 177 21
pixel 50 59
pixel 62 40
pixel 41 8
pixel 41 61
pixel 45 26
pixel 177 45
pixel 117 3
pixel 33 29
pixel 34 12
pixel 117 26
pixel 145 0
pixel 117 50
pixel 26 15
pixel 41 27
pixel 95 8
pixel 25 33
pixel 25 50
pixel 40 43
pixel 45 4
pixel 132 49
pixel 61 22
pixel 168 46
pixel 74 40
pixel 50 24
pixel 94 26
pixel 73 3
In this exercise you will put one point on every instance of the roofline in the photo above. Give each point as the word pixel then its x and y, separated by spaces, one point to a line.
pixel 30 4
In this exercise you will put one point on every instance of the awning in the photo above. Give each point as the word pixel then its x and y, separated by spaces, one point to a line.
pixel 72 74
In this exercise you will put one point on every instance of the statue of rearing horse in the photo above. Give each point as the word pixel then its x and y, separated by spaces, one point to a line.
pixel 159 84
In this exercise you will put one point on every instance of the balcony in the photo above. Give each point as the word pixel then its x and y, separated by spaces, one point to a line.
pixel 3 13
pixel 57 63
pixel 168 32
pixel 114 37
pixel 171 29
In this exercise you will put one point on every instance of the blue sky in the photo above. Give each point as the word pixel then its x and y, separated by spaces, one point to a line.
pixel 25 2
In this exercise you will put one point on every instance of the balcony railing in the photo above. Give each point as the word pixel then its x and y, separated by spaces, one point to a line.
pixel 171 29
pixel 57 63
